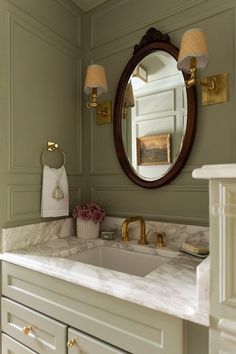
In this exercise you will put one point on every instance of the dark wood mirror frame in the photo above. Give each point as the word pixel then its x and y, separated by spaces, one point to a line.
pixel 153 41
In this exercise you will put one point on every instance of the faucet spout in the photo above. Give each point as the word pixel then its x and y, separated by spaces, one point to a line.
pixel 124 230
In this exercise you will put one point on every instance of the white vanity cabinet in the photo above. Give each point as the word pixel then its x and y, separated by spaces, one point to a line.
pixel 43 334
pixel 58 312
pixel 223 256
pixel 11 346
pixel 38 332
pixel 223 262
pixel 79 342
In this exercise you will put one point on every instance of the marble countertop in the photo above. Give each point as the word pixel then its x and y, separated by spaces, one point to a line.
pixel 215 171
pixel 171 288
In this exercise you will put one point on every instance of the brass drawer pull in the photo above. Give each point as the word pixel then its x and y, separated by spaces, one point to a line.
pixel 26 330
pixel 71 343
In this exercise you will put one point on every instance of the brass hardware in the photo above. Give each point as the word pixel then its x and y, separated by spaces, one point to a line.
pixel 51 146
pixel 214 89
pixel 103 109
pixel 104 112
pixel 193 71
pixel 71 343
pixel 93 103
pixel 125 234
pixel 26 330
pixel 160 239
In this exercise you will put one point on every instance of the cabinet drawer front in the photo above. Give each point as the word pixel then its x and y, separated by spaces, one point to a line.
pixel 84 343
pixel 125 325
pixel 45 335
pixel 11 346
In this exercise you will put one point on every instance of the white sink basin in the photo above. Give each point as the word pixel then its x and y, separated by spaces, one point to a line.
pixel 121 260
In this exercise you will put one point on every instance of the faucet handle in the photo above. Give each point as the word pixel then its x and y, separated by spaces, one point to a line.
pixel 160 239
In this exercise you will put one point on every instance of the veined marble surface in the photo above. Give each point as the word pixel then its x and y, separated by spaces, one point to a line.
pixel 31 235
pixel 176 234
pixel 215 171
pixel 171 288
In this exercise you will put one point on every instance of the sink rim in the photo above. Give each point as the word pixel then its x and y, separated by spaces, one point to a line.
pixel 159 257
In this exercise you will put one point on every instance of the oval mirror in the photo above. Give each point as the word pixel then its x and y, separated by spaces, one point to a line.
pixel 154 113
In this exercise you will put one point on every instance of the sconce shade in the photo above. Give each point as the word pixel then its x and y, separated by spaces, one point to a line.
pixel 129 96
pixel 95 78
pixel 193 45
pixel 139 77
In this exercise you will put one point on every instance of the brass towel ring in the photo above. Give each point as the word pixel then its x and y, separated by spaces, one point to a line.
pixel 51 146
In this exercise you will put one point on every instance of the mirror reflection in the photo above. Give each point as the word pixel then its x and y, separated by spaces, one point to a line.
pixel 154 115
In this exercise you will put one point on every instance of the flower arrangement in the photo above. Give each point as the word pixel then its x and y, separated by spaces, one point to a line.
pixel 89 211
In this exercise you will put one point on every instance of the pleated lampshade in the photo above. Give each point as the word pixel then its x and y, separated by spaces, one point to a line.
pixel 95 78
pixel 193 44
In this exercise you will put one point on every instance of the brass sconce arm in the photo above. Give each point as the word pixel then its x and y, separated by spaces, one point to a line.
pixel 101 109
pixel 193 55
pixel 193 74
pixel 211 83
pixel 93 103
pixel 214 88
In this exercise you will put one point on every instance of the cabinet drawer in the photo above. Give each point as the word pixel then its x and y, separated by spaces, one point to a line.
pixel 125 325
pixel 83 343
pixel 11 346
pixel 45 335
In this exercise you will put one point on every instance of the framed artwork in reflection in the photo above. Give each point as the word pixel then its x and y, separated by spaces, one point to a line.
pixel 153 150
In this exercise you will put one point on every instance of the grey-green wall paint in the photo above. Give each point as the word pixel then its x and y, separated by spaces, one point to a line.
pixel 45 46
pixel 40 100
pixel 112 31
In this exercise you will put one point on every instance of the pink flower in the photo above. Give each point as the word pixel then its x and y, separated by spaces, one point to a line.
pixel 89 211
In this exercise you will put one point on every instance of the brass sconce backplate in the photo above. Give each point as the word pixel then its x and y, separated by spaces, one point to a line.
pixel 104 113
pixel 214 89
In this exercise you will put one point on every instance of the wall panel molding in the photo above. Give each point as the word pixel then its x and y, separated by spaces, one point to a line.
pixel 75 193
pixel 107 196
pixel 79 159
pixel 31 194
pixel 14 167
pixel 96 192
pixel 94 171
pixel 184 5
pixel 134 188
pixel 73 25
pixel 20 212
pixel 117 45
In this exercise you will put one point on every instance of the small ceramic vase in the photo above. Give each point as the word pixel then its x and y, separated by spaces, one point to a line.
pixel 87 229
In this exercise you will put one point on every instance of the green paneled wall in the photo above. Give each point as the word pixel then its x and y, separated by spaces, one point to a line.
pixel 40 95
pixel 45 49
pixel 112 31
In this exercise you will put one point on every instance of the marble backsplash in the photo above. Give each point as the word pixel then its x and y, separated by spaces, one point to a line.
pixel 176 234
pixel 31 235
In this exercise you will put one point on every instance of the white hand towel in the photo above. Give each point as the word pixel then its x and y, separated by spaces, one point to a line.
pixel 55 198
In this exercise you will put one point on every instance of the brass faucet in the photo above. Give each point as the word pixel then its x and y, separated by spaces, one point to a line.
pixel 160 239
pixel 125 234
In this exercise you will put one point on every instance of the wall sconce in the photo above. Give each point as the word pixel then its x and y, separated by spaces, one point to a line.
pixel 193 55
pixel 128 99
pixel 139 77
pixel 95 85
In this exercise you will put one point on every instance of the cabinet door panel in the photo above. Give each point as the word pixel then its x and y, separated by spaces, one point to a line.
pixel 132 327
pixel 11 346
pixel 223 264
pixel 45 335
pixel 85 344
